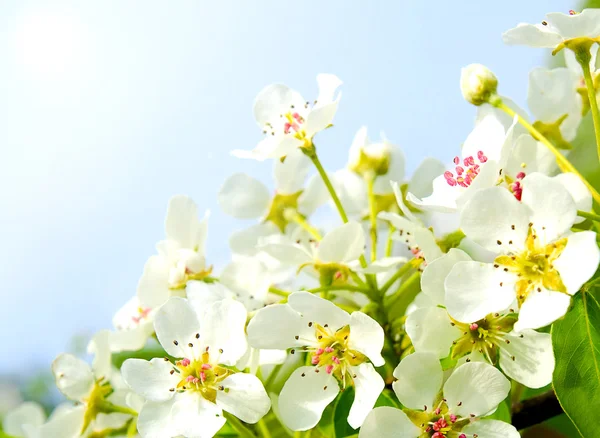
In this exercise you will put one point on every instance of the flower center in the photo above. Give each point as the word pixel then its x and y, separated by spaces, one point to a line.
pixel 279 204
pixel 142 314
pixel 333 353
pixel 465 174
pixel 439 423
pixel 534 266
pixel 202 376
pixel 483 336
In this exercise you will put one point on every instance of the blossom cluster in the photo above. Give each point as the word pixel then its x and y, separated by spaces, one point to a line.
pixel 431 296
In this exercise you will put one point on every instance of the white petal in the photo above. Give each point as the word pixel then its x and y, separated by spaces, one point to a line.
pixel 320 118
pixel 155 421
pixel 487 136
pixel 425 242
pixel 196 417
pixel 474 289
pixel 490 216
pixel 395 168
pixel 366 336
pixel 434 274
pixel 243 197
pixel 343 244
pixel 304 398
pixel 272 101
pixel 65 424
pixel 74 377
pixel 529 155
pixel 584 24
pixel 182 224
pixel 176 325
pixel 132 339
pixel 276 326
pixel 201 296
pixel 314 196
pixel 419 381
pixel 352 191
pixel 553 208
pixel 384 264
pixel 245 242
pixel 431 331
pixel 287 253
pixel 442 199
pixel 290 174
pixel 475 388
pixel 578 261
pixel 328 84
pixel 541 309
pixel 26 413
pixel 421 183
pixel 153 287
pixel 491 429
pixel 552 93
pixel 318 310
pixel 388 422
pixel 99 346
pixel 150 379
pixel 248 278
pixel 270 147
pixel 223 330
pixel 579 192
pixel 531 35
pixel 533 362
pixel 245 397
pixel 368 384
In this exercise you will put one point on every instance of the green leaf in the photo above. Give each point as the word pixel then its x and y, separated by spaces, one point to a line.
pixel 576 380
pixel 584 154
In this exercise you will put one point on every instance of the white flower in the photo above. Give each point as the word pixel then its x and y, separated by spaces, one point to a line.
pixel 526 357
pixel 180 257
pixel 29 421
pixel 89 385
pixel 539 262
pixel 477 83
pixel 288 120
pixel 26 415
pixel 472 390
pixel 555 103
pixel 188 397
pixel 484 154
pixel 329 258
pixel 340 348
pixel 133 324
pixel 557 30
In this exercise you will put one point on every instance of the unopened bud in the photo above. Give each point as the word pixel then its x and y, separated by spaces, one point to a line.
pixel 477 83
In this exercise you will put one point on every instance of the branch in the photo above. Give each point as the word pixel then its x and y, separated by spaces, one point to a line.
pixel 535 410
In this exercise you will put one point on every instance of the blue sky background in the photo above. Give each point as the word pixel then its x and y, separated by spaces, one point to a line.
pixel 109 108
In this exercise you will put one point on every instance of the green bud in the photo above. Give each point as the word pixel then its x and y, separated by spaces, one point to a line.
pixel 478 84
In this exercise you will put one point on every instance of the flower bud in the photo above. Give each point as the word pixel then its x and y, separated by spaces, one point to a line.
pixel 477 83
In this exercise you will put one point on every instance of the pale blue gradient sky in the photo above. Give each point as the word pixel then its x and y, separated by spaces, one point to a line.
pixel 151 100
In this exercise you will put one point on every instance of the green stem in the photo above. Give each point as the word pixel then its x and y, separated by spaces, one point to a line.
pixel 370 179
pixel 389 244
pixel 272 375
pixel 239 427
pixel 108 408
pixel 399 273
pixel 591 216
pixel 263 429
pixel 515 394
pixel 279 292
pixel 297 217
pixel 589 83
pixel 564 164
pixel 340 287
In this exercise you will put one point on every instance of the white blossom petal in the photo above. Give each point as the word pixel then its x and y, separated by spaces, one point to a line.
pixel 314 196
pixel 320 118
pixel 74 377
pixel 245 242
pixel 421 183
pixel 243 197
pixel 531 35
pixel 150 379
pixel 276 327
pixel 366 336
pixel 368 384
pixel 419 381
pixel 578 261
pixel 491 429
pixel 153 287
pixel 290 173
pixel 435 273
pixel 67 423
pixel 388 422
pixel 579 192
pixel 287 253
pixel 584 24
pixel 328 84
pixel 183 226
pixel 272 101
pixel 176 324
pixel 475 388
pixel 248 278
pixel 305 396
pixel 343 244
pixel 29 413
pixel 245 397
pixel 533 362
pixel 155 421
pixel 99 346
pixel 196 417
pixel 475 289
pixel 223 330
pixel 541 309
pixel 431 331
pixel 318 310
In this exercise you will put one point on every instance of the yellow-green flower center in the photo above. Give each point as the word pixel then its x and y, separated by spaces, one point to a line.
pixel 201 376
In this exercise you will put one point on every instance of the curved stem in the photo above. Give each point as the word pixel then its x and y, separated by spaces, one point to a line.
pixel 591 90
pixel 336 200
pixel 399 273
pixel 279 292
pixel 591 216
pixel 564 164
pixel 372 215
pixel 389 245
pixel 263 429
pixel 239 427
pixel 297 217
pixel 340 287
